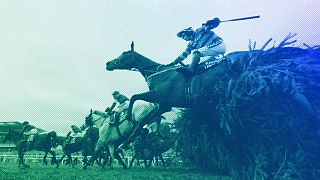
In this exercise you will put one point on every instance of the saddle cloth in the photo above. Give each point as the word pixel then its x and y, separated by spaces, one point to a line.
pixel 211 62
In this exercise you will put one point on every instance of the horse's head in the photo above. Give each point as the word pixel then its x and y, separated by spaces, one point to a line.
pixel 124 62
pixel 52 134
pixel 96 118
pixel 129 60
pixel 52 138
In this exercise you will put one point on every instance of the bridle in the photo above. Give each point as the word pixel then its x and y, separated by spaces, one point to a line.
pixel 140 67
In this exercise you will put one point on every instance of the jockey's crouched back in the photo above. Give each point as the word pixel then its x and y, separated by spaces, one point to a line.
pixel 73 134
pixel 28 131
pixel 91 133
pixel 119 107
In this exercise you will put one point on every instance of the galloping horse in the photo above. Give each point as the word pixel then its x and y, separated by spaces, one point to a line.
pixel 84 144
pixel 154 145
pixel 42 142
pixel 110 136
pixel 169 88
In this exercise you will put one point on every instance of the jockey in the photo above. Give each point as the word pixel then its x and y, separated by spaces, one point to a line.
pixel 28 131
pixel 120 105
pixel 74 134
pixel 203 43
pixel 91 132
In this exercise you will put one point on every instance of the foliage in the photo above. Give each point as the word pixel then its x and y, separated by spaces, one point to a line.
pixel 264 122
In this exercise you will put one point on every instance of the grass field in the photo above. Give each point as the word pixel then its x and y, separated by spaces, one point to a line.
pixel 11 171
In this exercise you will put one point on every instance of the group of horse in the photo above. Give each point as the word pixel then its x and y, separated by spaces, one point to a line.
pixel 167 88
pixel 106 147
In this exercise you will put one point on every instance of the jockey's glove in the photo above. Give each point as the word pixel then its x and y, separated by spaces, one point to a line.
pixel 213 23
pixel 178 60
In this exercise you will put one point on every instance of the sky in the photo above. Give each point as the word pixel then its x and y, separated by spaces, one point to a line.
pixel 53 53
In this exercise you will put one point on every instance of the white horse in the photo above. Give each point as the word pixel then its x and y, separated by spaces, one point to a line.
pixel 111 136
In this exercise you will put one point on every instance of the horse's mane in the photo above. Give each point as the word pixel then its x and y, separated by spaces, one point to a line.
pixel 150 60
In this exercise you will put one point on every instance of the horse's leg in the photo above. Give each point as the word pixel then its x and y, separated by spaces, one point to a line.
pixel 85 159
pixel 146 164
pixel 156 161
pixel 152 115
pixel 53 158
pixel 132 160
pixel 21 148
pixel 144 158
pixel 70 159
pixel 44 160
pixel 92 158
pixel 60 160
pixel 105 161
pixel 111 153
pixel 149 96
pixel 115 154
pixel 21 161
pixel 162 160
pixel 149 164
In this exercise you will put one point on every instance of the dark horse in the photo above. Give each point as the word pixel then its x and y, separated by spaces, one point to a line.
pixel 85 144
pixel 42 142
pixel 169 88
pixel 153 145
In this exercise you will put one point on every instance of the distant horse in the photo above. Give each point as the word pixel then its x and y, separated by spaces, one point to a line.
pixel 153 145
pixel 112 136
pixel 85 144
pixel 42 142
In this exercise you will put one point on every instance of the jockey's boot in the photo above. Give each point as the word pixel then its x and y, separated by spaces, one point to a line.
pixel 189 71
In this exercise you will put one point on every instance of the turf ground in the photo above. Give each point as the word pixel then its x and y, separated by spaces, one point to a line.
pixel 37 171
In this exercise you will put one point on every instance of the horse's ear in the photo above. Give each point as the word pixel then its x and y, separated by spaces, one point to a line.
pixel 132 46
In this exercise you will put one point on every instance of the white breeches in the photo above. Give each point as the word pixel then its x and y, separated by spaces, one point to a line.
pixel 207 51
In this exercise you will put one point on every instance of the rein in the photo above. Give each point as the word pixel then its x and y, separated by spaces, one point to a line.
pixel 98 120
pixel 142 69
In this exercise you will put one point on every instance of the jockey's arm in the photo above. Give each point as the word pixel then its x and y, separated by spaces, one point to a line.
pixel 184 55
pixel 112 106
pixel 31 132
pixel 109 110
pixel 75 135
